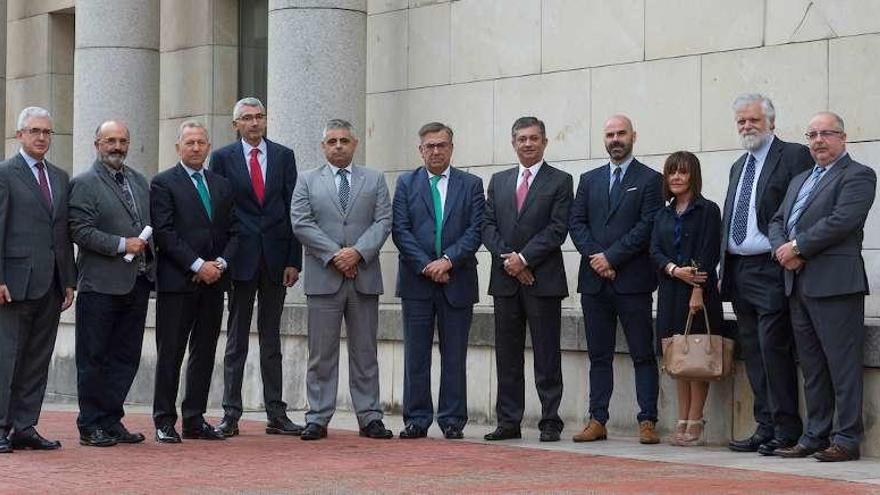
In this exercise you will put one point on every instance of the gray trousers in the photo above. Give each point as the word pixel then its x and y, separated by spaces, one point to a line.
pixel 361 313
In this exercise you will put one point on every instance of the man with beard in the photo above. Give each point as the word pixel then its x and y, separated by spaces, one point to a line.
pixel 109 207
pixel 611 220
pixel 752 280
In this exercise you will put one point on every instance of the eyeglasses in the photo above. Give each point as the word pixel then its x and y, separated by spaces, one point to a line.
pixel 36 131
pixel 824 134
pixel 114 141
pixel 430 147
pixel 251 117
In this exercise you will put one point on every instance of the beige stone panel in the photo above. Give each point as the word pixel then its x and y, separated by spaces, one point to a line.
pixel 868 153
pixel 794 76
pixel 872 267
pixel 10 147
pixel 186 82
pixel 715 167
pixel 495 39
pixel 588 33
pixel 177 27
pixel 421 3
pixel 387 136
pixel 685 27
pixel 871 413
pixel 388 260
pixel 386 51
pixel 854 83
pixel 167 137
pixel 61 38
pixel 61 152
pixel 572 261
pixel 225 16
pixel 26 92
pixel 561 100
pixel 62 103
pixel 429 45
pixel 27 52
pixel 788 21
pixel 380 6
pixel 225 82
pixel 19 9
pixel 661 97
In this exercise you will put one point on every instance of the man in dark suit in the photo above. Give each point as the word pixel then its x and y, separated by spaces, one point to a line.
pixel 817 237
pixel 37 277
pixel 752 280
pixel 195 230
pixel 268 260
pixel 611 220
pixel 437 216
pixel 525 225
pixel 109 207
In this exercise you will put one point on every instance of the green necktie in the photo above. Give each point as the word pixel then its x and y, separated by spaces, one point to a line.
pixel 438 215
pixel 203 193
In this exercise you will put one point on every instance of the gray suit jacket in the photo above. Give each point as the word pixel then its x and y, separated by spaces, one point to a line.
pixel 35 249
pixel 99 216
pixel 829 230
pixel 323 228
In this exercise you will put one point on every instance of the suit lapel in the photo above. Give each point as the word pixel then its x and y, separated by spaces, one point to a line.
pixel 453 193
pixel 57 188
pixel 357 183
pixel 242 170
pixel 423 189
pixel 771 161
pixel 274 168
pixel 330 183
pixel 25 174
pixel 625 183
pixel 538 183
pixel 110 182
pixel 735 175
pixel 826 179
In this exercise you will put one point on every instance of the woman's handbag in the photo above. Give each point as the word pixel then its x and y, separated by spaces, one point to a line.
pixel 698 356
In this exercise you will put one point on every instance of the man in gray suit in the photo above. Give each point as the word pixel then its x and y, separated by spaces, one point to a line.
pixel 342 215
pixel 109 207
pixel 37 277
pixel 817 237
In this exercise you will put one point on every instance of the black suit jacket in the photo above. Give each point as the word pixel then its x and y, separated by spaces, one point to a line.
pixel 622 231
pixel 784 161
pixel 263 230
pixel 537 232
pixel 182 230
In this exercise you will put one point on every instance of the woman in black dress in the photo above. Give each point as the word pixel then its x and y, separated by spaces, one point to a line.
pixel 685 246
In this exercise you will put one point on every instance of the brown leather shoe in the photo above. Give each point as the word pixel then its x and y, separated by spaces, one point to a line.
pixel 796 452
pixel 647 433
pixel 592 432
pixel 836 453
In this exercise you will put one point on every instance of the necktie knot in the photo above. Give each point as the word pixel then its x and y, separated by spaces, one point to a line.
pixel 435 179
pixel 255 152
pixel 526 174
pixel 198 177
pixel 120 179
pixel 40 165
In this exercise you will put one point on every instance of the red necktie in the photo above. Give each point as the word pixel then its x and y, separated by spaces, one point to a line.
pixel 523 190
pixel 44 183
pixel 257 176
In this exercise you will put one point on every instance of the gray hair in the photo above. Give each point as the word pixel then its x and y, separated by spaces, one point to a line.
pixel 336 124
pixel 31 112
pixel 192 124
pixel 750 98
pixel 250 101
pixel 838 120
pixel 526 122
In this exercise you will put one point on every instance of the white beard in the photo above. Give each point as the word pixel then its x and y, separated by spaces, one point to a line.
pixel 753 142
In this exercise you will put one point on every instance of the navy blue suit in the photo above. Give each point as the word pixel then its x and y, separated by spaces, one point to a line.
pixel 426 302
pixel 266 246
pixel 623 232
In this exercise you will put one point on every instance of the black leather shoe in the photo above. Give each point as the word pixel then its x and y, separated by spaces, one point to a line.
pixel 770 447
pixel 167 434
pixel 33 441
pixel 549 434
pixel 203 431
pixel 412 431
pixel 503 433
pixel 5 445
pixel 229 426
pixel 282 425
pixel 750 444
pixel 453 432
pixel 376 429
pixel 96 438
pixel 313 431
pixel 122 435
pixel 796 452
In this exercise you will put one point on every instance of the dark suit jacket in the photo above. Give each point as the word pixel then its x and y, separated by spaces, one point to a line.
pixel 183 231
pixel 537 232
pixel 99 216
pixel 784 161
pixel 413 233
pixel 35 248
pixel 829 230
pixel 262 229
pixel 622 231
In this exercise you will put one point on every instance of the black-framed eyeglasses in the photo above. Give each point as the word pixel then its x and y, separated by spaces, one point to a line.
pixel 825 133
pixel 252 117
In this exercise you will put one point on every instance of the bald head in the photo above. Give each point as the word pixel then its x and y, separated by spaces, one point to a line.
pixel 826 137
pixel 619 137
pixel 111 143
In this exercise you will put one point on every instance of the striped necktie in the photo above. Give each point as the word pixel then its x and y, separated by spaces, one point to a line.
pixel 801 202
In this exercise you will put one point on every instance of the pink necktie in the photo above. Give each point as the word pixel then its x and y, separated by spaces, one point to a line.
pixel 523 190
pixel 44 183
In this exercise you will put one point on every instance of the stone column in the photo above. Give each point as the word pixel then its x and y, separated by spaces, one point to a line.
pixel 117 77
pixel 316 71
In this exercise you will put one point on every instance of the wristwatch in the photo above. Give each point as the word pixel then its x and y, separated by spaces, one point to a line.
pixel 794 247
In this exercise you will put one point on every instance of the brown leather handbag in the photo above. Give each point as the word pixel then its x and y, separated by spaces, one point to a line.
pixel 698 356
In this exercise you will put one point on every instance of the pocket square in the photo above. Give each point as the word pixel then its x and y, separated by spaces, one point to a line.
pixel 631 189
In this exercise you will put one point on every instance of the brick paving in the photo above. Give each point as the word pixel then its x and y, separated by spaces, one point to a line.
pixel 345 463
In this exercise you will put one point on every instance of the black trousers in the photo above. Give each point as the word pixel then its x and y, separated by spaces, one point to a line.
pixel 109 337
pixel 544 318
pixel 765 337
pixel 27 339
pixel 241 309
pixel 183 318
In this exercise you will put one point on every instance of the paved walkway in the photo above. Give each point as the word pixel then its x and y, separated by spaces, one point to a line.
pixel 345 463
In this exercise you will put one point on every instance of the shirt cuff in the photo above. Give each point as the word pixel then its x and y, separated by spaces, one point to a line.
pixel 197 265
pixel 121 247
pixel 223 264
pixel 523 259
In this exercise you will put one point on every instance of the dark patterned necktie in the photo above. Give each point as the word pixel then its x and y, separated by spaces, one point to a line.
pixel 614 194
pixel 129 199
pixel 344 189
pixel 741 214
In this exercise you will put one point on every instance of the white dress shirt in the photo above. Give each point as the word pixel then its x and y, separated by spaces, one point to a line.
pixel 337 179
pixel 534 169
pixel 442 184
pixel 261 156
pixel 32 163
pixel 755 242
pixel 624 165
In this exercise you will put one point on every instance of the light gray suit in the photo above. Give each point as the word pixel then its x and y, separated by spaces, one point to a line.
pixel 324 227
pixel 827 296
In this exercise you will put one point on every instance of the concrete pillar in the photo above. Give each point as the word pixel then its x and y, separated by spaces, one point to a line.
pixel 2 67
pixel 316 71
pixel 117 76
